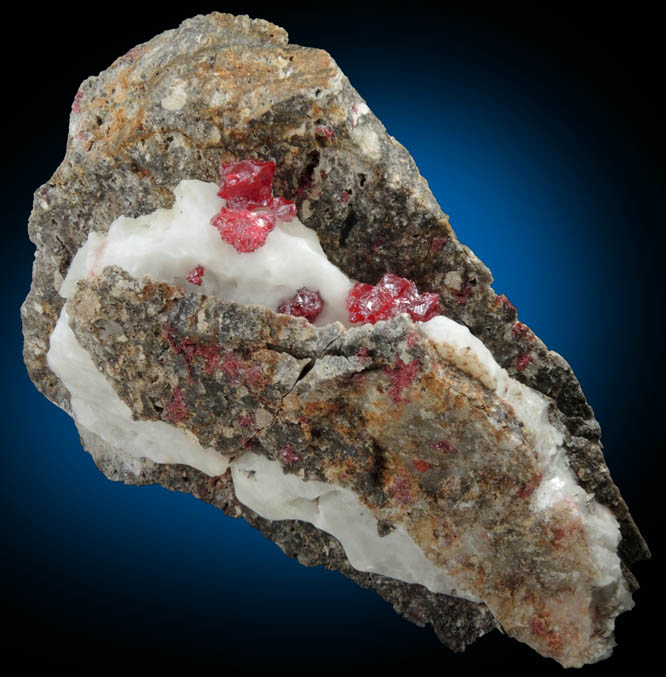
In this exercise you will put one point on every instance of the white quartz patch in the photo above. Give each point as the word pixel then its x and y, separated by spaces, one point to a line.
pixel 96 406
pixel 261 485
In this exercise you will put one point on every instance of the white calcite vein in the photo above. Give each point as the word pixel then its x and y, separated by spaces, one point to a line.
pixel 166 245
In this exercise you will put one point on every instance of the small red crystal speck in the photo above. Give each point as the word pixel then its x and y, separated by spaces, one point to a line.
pixel 195 276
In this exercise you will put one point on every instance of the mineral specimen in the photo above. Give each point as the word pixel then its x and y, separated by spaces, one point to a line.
pixel 288 370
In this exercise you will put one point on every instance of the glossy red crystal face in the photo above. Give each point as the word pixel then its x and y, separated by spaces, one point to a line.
pixel 195 276
pixel 284 209
pixel 391 296
pixel 246 183
pixel 251 210
pixel 305 303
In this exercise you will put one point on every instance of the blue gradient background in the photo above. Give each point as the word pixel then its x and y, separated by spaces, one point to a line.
pixel 541 138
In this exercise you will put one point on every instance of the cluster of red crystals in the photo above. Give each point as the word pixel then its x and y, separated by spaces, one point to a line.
pixel 421 465
pixel 305 303
pixel 391 296
pixel 251 210
pixel 195 276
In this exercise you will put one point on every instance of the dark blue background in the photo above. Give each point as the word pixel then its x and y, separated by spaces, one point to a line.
pixel 541 136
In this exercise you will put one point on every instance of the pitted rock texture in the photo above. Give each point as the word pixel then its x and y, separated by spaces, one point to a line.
pixel 225 88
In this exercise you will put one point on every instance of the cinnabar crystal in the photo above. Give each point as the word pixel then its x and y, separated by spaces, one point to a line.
pixel 305 303
pixel 391 296
pixel 246 183
pixel 195 276
pixel 284 209
pixel 245 230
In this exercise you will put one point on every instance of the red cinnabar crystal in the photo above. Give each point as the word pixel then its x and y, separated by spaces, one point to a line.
pixel 391 296
pixel 245 230
pixel 195 276
pixel 251 209
pixel 284 209
pixel 305 303
pixel 246 183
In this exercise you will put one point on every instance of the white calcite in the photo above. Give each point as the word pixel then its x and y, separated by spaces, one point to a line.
pixel 166 245
pixel 97 407
pixel 261 485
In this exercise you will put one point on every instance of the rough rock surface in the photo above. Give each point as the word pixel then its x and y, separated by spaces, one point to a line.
pixel 223 88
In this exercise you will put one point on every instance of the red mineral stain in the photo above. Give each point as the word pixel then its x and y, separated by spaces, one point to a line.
pixel 232 366
pixel 506 302
pixel 324 130
pixel 521 332
pixel 363 352
pixel 346 196
pixel 210 354
pixel 400 490
pixel 558 536
pixel 254 377
pixel 522 361
pixel 391 296
pixel 377 244
pixel 443 445
pixel 526 490
pixel 195 276
pixel 246 421
pixel 537 626
pixel 76 104
pixel 412 339
pixel 288 455
pixel 422 466
pixel 402 376
pixel 177 408
pixel 437 243
pixel 305 303
pixel 462 295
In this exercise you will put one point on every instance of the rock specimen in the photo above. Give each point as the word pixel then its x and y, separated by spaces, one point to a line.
pixel 339 373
